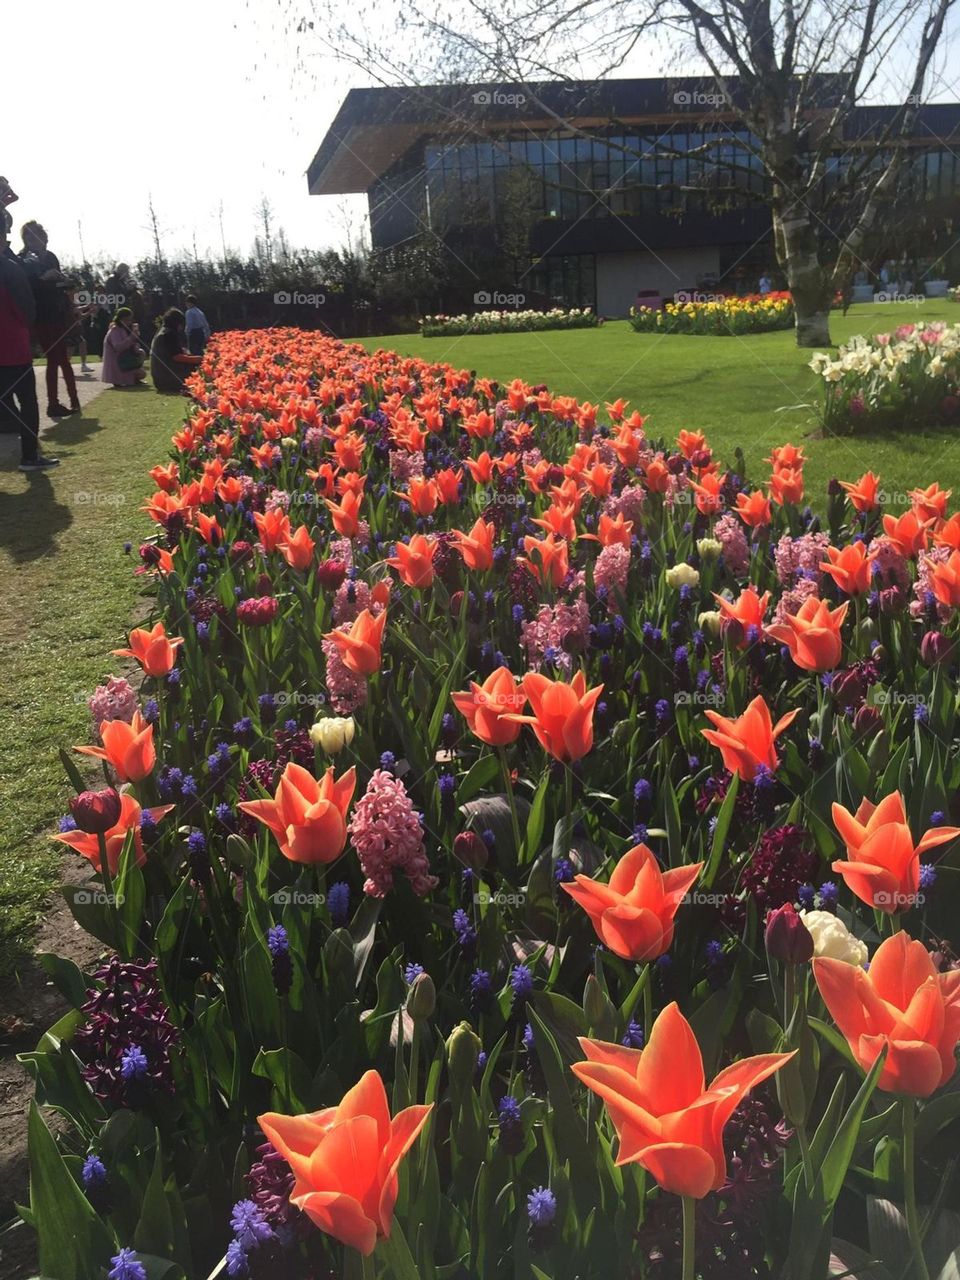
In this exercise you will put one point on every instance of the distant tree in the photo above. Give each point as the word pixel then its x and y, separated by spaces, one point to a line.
pixel 787 76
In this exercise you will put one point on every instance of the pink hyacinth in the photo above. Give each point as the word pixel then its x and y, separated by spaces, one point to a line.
pixel 736 553
pixel 341 549
pixel 115 700
pixel 629 504
pixel 350 601
pixel 386 832
pixel 791 600
pixel 346 690
pixel 314 439
pixel 277 500
pixel 800 556
pixel 923 587
pixel 403 465
pixel 562 627
pixel 889 567
pixel 611 570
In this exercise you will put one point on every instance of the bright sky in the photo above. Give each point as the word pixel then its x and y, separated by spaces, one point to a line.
pixel 204 112
pixel 209 112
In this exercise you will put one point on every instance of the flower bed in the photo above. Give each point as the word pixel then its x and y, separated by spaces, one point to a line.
pixel 513 321
pixel 498 775
pixel 717 316
pixel 901 379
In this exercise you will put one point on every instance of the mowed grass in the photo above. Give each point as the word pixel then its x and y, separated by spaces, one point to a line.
pixel 68 596
pixel 748 392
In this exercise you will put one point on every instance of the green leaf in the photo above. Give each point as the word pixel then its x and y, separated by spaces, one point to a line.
pixel 73 773
pixel 73 1243
pixel 67 977
pixel 724 818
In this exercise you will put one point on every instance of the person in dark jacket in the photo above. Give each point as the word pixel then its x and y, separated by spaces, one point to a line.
pixel 54 316
pixel 18 383
pixel 170 362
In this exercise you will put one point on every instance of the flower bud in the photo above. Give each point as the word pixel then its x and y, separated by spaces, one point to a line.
pixel 463 1053
pixel 422 997
pixel 867 721
pixel 848 687
pixel 331 573
pixel 469 848
pixel 787 938
pixel 240 552
pixel 892 600
pixel 709 548
pixel 594 1006
pixel 149 553
pixel 681 575
pixel 936 647
pixel 709 621
pixel 95 812
pixel 333 733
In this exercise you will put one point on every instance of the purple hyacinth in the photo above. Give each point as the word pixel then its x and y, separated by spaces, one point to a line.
pixel 521 980
pixel 278 944
pixel 124 1266
pixel 411 973
pixel 269 1184
pixel 481 990
pixel 634 1036
pixel 127 1038
pixel 249 1226
pixel 541 1207
pixel 236 1259
pixel 338 903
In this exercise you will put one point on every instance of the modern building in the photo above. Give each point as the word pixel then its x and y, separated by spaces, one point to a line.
pixel 592 193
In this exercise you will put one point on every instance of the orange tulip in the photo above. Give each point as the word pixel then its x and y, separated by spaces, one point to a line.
pixel 209 529
pixel 559 521
pixel 448 486
pixel 748 741
pixel 753 508
pixel 308 818
pixel 345 1161
pixel 812 634
pixel 666 1119
pixel 346 514
pixel 359 644
pixel 481 468
pixel 626 445
pixel 786 455
pixel 657 475
pixel 708 493
pixel 166 478
pixel 948 535
pixel 88 846
pixel 599 480
pixel 930 503
pixel 882 866
pixel 746 612
pixel 612 530
pixel 546 559
pixel 864 494
pixel 562 714
pixel 850 568
pixel 945 580
pixel 422 495
pixel 154 650
pixel 633 914
pixel 488 707
pixel 414 561
pixel 273 528
pixel 901 1004
pixel 298 548
pixel 128 748
pixel 906 533
pixel 786 486
pixel 476 547
pixel 691 442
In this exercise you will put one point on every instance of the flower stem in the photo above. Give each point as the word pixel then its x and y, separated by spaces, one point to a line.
pixel 647 1006
pixel 908 1109
pixel 689 1237
pixel 512 801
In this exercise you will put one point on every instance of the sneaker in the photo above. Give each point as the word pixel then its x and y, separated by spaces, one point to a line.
pixel 75 408
pixel 43 463
pixel 86 368
pixel 59 411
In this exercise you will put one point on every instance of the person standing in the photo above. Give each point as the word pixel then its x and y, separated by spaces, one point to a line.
pixel 18 382
pixel 765 283
pixel 198 329
pixel 54 316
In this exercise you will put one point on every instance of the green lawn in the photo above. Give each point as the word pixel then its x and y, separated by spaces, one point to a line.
pixel 752 392
pixel 69 593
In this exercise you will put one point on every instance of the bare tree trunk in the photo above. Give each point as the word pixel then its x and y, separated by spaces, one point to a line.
pixel 796 239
